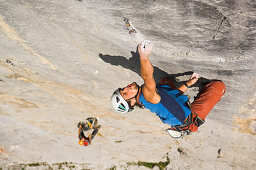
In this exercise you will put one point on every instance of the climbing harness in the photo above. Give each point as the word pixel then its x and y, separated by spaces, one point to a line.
pixel 183 130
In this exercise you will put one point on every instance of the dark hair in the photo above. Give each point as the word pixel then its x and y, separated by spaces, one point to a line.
pixel 139 105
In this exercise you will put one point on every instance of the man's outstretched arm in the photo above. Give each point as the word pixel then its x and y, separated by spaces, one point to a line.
pixel 147 70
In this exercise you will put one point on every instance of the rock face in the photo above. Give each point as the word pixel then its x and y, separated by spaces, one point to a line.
pixel 61 61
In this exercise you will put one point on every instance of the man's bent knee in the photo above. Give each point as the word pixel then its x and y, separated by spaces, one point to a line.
pixel 218 85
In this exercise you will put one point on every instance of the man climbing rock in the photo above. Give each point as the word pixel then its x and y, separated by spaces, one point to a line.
pixel 164 99
pixel 87 131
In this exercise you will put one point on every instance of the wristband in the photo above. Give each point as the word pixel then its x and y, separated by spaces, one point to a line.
pixel 186 85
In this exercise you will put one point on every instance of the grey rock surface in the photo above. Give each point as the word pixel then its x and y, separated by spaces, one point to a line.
pixel 60 61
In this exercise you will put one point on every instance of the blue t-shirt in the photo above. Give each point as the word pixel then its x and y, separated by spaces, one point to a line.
pixel 172 109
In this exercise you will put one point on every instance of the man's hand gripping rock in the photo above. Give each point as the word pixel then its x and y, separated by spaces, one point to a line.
pixel 144 49
pixel 193 79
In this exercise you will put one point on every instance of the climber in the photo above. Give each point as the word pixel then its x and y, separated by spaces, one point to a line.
pixel 164 99
pixel 87 130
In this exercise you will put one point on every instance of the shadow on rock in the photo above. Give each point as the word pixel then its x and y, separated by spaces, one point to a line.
pixel 133 63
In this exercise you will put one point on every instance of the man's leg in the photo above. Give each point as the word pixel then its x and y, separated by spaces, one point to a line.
pixel 81 135
pixel 95 131
pixel 206 99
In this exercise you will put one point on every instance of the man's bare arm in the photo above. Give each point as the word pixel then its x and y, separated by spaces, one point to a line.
pixel 149 87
